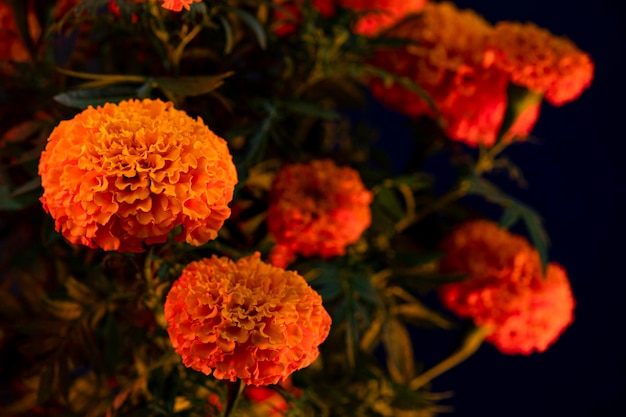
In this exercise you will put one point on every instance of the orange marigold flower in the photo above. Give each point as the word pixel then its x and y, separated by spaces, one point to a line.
pixel 245 319
pixel 123 176
pixel 381 14
pixel 506 289
pixel 447 61
pixel 269 402
pixel 540 61
pixel 286 21
pixel 177 5
pixel 317 208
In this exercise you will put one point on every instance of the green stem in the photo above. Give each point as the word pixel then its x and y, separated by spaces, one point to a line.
pixel 235 392
pixel 470 344
pixel 452 195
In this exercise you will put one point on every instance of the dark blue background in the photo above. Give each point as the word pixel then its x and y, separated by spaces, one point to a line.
pixel 577 179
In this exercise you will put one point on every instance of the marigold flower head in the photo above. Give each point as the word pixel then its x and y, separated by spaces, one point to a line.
pixel 123 176
pixel 540 61
pixel 447 61
pixel 506 289
pixel 317 208
pixel 245 319
pixel 286 21
pixel 178 5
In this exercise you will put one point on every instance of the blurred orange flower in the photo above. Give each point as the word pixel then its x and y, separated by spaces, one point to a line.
pixel 120 177
pixel 506 289
pixel 288 15
pixel 316 208
pixel 177 5
pixel 540 61
pixel 12 47
pixel 447 61
pixel 268 402
pixel 245 319
pixel 380 14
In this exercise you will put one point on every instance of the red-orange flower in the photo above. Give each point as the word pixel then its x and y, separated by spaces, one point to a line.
pixel 245 319
pixel 447 61
pixel 12 47
pixel 177 5
pixel 120 177
pixel 506 289
pixel 269 402
pixel 286 20
pixel 380 14
pixel 540 61
pixel 316 208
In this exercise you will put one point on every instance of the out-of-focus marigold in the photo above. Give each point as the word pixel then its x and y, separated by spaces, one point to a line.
pixel 316 208
pixel 12 47
pixel 245 319
pixel 540 61
pixel 506 289
pixel 178 5
pixel 123 176
pixel 447 61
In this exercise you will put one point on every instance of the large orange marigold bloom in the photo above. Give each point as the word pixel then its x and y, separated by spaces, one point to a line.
pixel 540 61
pixel 447 61
pixel 123 176
pixel 245 319
pixel 316 208
pixel 506 289
pixel 178 5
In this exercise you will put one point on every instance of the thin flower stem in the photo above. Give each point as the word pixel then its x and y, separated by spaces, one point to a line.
pixel 235 392
pixel 451 196
pixel 471 343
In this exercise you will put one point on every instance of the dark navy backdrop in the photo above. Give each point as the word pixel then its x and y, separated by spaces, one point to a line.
pixel 577 176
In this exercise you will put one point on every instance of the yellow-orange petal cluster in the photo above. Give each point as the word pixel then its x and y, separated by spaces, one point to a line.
pixel 317 208
pixel 447 61
pixel 178 5
pixel 540 61
pixel 120 177
pixel 245 320
pixel 506 289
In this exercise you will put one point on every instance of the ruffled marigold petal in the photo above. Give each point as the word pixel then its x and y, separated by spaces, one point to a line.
pixel 178 5
pixel 506 289
pixel 317 209
pixel 120 177
pixel 540 61
pixel 245 319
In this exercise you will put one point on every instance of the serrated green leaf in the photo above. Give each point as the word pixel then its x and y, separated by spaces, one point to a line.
pixel 81 99
pixel 192 85
pixel 389 203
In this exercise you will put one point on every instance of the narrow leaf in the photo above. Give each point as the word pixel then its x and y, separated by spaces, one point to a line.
pixel 192 85
pixel 399 349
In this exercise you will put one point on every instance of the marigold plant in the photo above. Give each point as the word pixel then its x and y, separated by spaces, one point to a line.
pixel 120 177
pixel 535 58
pixel 245 320
pixel 316 208
pixel 506 289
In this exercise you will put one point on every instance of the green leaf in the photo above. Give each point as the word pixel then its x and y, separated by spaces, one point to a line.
pixel 46 384
pixel 192 85
pixel 399 349
pixel 417 312
pixel 514 209
pixel 389 203
pixel 253 24
pixel 63 309
pixel 81 99
pixel 519 99
pixel 309 109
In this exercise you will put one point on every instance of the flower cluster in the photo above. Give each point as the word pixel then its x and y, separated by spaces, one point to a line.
pixel 316 208
pixel 465 65
pixel 245 319
pixel 121 176
pixel 506 289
